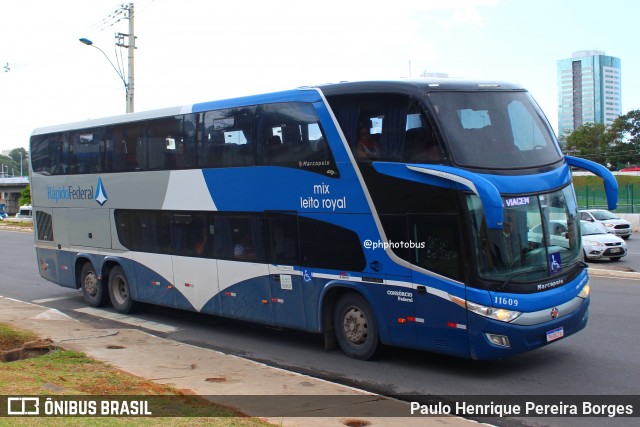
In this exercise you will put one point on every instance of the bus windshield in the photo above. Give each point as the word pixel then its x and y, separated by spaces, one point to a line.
pixel 496 130
pixel 540 238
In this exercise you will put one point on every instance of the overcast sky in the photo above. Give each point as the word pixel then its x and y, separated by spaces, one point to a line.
pixel 196 50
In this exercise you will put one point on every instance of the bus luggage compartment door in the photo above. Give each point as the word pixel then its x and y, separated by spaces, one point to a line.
pixel 287 296
pixel 90 227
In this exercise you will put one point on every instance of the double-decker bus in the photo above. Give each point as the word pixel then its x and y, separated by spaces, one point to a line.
pixel 436 215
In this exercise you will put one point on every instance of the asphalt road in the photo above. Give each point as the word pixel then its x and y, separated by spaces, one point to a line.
pixel 601 360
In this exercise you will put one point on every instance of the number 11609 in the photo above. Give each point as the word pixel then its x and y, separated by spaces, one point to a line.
pixel 513 302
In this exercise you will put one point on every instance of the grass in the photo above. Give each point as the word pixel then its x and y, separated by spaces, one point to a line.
pixel 590 192
pixel 12 338
pixel 16 224
pixel 68 373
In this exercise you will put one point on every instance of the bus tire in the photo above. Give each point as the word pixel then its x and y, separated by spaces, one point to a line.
pixel 120 291
pixel 93 292
pixel 355 327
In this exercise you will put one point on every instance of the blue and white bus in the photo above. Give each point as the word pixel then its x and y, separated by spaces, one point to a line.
pixel 406 213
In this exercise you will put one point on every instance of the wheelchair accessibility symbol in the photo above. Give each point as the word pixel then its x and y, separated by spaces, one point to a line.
pixel 555 262
pixel 306 276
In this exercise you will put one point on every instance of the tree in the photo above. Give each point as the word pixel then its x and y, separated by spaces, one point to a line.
pixel 25 196
pixel 21 158
pixel 624 136
pixel 590 141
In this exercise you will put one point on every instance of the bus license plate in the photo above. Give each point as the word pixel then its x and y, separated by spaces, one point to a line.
pixel 555 334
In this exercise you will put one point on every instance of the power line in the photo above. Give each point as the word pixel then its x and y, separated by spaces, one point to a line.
pixel 65 38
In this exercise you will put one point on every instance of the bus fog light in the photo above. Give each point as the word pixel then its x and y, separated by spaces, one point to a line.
pixel 501 340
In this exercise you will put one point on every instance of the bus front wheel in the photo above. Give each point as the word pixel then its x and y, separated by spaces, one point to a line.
pixel 355 326
pixel 120 291
pixel 93 292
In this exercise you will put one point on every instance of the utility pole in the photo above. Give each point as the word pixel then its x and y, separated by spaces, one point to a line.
pixel 131 46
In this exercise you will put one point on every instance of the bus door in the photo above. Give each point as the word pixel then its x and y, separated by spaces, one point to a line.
pixel 287 296
pixel 287 293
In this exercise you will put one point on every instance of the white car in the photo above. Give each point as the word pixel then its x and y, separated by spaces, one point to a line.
pixel 614 225
pixel 597 243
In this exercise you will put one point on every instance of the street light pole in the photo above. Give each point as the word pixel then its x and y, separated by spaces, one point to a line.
pixel 126 86
pixel 131 47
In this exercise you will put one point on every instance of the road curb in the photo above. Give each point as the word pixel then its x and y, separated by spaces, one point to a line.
pixel 9 227
pixel 601 272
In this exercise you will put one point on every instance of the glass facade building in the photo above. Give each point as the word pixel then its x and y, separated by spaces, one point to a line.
pixel 588 90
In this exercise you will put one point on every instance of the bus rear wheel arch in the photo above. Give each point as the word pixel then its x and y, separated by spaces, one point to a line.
pixel 120 291
pixel 355 326
pixel 93 290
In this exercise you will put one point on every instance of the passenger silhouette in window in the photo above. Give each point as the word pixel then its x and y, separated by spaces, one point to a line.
pixel 367 147
pixel 243 249
pixel 420 147
pixel 202 239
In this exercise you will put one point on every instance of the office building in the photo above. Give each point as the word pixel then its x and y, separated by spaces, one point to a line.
pixel 588 90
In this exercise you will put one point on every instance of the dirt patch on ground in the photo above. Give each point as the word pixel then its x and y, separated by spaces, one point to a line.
pixel 28 350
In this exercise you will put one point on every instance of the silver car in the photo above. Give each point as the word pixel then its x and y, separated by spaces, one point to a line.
pixel 597 243
pixel 614 225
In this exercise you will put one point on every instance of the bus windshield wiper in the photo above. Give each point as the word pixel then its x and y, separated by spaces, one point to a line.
pixel 520 273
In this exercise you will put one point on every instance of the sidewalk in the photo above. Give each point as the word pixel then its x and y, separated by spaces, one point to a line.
pixel 215 375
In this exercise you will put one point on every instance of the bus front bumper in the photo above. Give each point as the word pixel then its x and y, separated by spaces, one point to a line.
pixel 492 339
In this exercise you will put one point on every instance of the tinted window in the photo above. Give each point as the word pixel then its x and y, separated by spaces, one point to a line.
pixel 141 230
pixel 200 234
pixel 437 242
pixel 48 152
pixel 228 138
pixel 324 245
pixel 283 239
pixel 192 233
pixel 479 124
pixel 239 237
pixel 290 135
pixel 44 226
pixel 86 149
pixel 40 156
pixel 390 127
pixel 124 147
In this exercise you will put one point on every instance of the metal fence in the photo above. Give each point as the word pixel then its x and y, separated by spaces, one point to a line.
pixel 595 198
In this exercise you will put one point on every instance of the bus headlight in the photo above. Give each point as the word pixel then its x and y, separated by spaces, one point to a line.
pixel 584 293
pixel 500 314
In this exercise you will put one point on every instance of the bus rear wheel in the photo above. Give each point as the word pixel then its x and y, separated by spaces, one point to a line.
pixel 355 326
pixel 120 291
pixel 93 292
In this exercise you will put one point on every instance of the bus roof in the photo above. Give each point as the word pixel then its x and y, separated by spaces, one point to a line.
pixel 304 94
pixel 417 85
